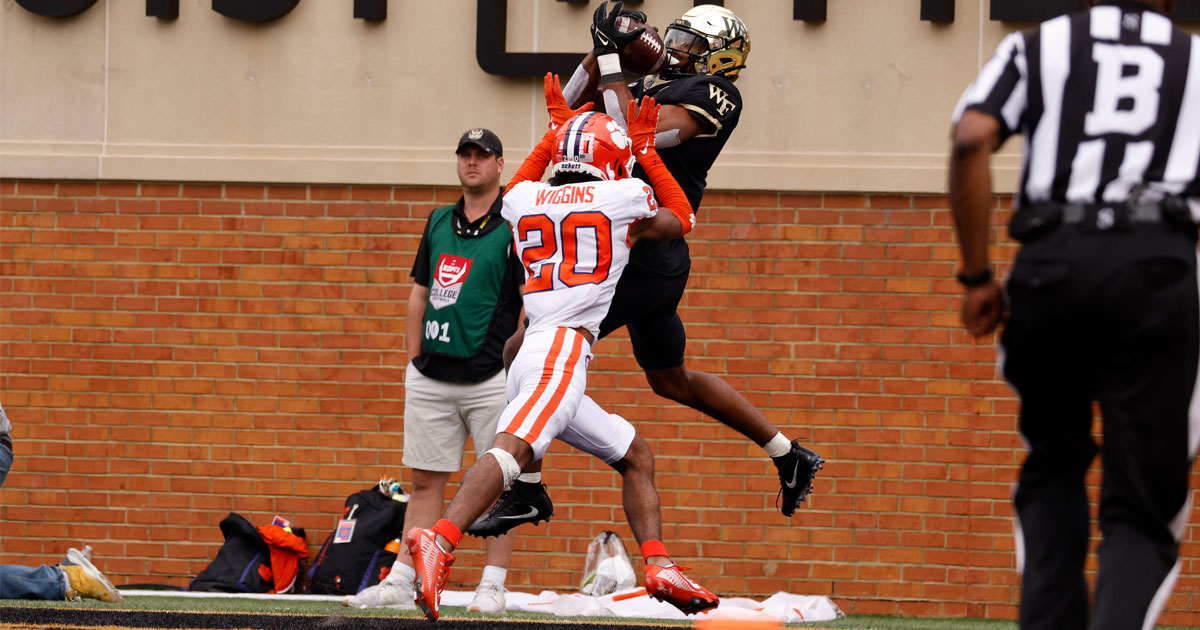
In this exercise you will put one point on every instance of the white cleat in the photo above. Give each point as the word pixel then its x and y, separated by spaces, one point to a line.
pixel 383 595
pixel 489 598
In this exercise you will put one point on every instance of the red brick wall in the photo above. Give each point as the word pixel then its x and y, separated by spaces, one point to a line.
pixel 174 352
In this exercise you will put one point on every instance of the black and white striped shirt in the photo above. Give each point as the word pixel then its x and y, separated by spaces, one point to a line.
pixel 1107 100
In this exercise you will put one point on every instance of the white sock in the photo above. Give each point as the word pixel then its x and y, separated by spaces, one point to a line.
pixel 494 575
pixel 402 574
pixel 530 477
pixel 778 446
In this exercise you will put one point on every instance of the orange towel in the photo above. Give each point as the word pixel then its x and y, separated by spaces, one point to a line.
pixel 286 551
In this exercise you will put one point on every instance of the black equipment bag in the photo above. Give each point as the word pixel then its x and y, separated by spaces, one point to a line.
pixel 235 569
pixel 354 557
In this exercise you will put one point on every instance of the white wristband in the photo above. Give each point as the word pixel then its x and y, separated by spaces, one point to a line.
pixel 610 64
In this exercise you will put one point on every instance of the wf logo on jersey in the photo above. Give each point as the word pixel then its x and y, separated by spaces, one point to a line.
pixel 721 98
pixel 448 280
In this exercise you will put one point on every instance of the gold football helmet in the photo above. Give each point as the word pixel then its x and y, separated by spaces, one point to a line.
pixel 708 39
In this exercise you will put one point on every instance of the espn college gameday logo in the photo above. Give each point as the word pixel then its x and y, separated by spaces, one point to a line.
pixel 448 280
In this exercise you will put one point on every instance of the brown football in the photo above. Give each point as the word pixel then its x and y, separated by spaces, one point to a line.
pixel 646 54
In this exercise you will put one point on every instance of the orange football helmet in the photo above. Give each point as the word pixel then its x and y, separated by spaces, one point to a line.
pixel 593 143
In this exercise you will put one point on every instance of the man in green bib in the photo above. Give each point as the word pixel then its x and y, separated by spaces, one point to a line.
pixel 465 302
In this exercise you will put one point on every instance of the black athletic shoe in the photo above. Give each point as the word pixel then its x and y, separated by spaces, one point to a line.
pixel 521 503
pixel 796 472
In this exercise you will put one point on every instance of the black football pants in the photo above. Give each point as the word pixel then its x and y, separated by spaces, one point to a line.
pixel 1112 317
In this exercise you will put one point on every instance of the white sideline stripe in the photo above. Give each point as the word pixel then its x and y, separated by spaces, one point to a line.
pixel 207 595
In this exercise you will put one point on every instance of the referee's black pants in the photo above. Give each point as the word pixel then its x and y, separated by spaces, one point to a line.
pixel 1112 317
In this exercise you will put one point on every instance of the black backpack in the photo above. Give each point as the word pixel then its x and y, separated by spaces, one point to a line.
pixel 353 557
pixel 235 569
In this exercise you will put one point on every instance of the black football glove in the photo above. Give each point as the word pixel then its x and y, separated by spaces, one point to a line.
pixel 606 37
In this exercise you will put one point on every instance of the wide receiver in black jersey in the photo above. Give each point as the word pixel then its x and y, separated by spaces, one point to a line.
pixel 707 48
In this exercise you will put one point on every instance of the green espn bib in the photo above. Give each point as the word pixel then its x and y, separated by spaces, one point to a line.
pixel 464 285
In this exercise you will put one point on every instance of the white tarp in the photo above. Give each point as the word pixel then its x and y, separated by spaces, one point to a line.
pixel 782 607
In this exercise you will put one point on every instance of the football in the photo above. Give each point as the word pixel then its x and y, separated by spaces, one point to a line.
pixel 646 54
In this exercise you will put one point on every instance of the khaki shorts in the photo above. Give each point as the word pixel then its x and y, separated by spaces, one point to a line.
pixel 438 417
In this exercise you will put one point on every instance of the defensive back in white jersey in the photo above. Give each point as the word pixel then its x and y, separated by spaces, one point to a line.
pixel 572 240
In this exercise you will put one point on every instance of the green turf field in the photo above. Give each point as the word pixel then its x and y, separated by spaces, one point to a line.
pixel 324 608
pixel 321 611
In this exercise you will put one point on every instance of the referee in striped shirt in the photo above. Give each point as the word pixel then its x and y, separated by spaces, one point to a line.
pixel 1102 298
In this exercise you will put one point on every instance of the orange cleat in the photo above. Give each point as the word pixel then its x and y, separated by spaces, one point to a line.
pixel 669 584
pixel 433 568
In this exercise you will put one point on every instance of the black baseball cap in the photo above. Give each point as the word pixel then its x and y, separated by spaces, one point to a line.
pixel 482 138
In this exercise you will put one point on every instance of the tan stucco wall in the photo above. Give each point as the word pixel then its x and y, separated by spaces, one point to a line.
pixel 859 103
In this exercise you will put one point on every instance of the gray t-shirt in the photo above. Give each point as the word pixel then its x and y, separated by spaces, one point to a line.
pixel 5 425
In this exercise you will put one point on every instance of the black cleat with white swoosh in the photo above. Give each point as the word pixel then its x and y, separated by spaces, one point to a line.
pixel 796 472
pixel 521 503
